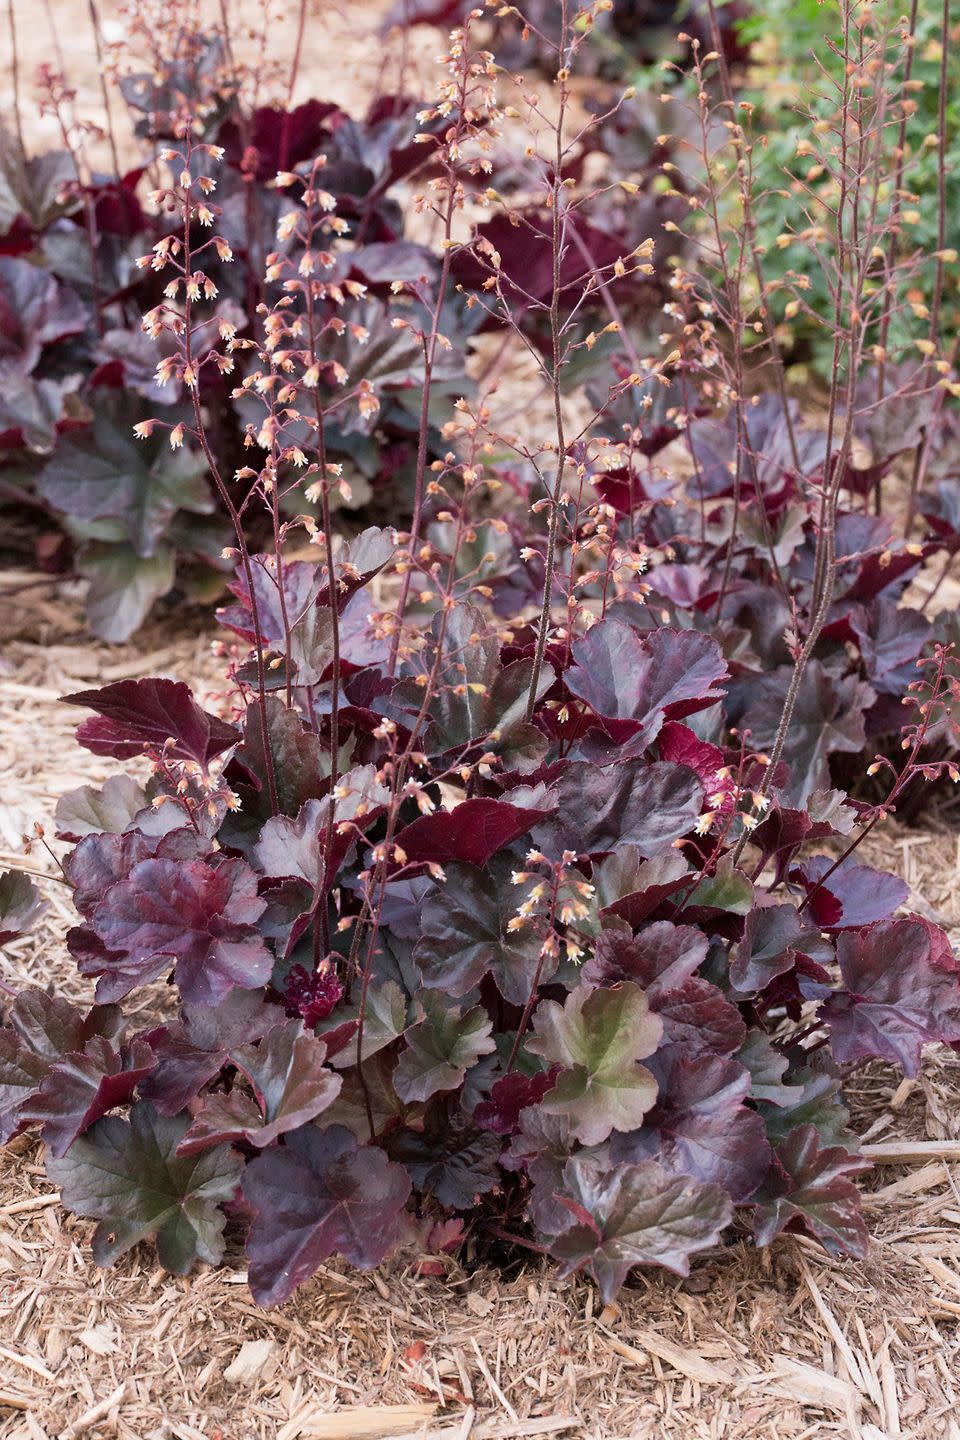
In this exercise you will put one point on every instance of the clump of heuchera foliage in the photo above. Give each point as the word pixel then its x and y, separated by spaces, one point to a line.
pixel 513 889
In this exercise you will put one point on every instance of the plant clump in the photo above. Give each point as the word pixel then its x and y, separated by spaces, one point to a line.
pixel 512 890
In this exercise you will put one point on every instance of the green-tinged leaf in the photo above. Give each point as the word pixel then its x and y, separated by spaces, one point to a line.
pixel 123 586
pixel 441 1048
pixel 464 934
pixel 816 1102
pixel 20 904
pixel 767 1068
pixel 128 1175
pixel 598 1037
pixel 635 1215
pixel 291 1085
pixel 107 810
pixel 384 1020
pixel 726 889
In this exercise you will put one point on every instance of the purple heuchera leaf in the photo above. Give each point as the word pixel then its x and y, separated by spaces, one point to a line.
pixel 633 682
pixel 902 991
pixel 41 1030
pixel 828 719
pixel 194 916
pixel 192 1051
pixel 134 714
pixel 766 948
pixel 83 1087
pixel 321 1194
pixel 852 896
pixel 631 1215
pixel 700 1126
pixel 697 1017
pixel 297 847
pixel 647 805
pixel 442 1045
pixel 454 1165
pixel 780 835
pixel 510 1095
pixel 809 1188
pixel 291 1085
pixel 466 935
pixel 660 957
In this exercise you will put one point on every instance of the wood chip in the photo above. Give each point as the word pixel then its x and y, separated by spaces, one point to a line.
pixel 911 1152
pixel 251 1362
pixel 686 1362
pixel 358 1422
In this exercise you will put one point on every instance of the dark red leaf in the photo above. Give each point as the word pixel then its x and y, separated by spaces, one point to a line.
pixel 192 916
pixel 902 991
pixel 511 1094
pixel 135 714
pixel 472 832
pixel 192 1051
pixel 321 1194
pixel 853 896
pixel 809 1188
pixel 82 1087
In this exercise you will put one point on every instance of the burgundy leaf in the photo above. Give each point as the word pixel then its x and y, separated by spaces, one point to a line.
pixel 321 1194
pixel 291 1085
pixel 808 1188
pixel 455 1166
pixel 643 679
pixel 41 1030
pixel 466 934
pixel 700 1126
pixel 135 714
pixel 200 919
pixel 298 847
pixel 192 1052
pixel 472 832
pixel 780 835
pixel 764 952
pixel 697 1017
pixel 660 957
pixel 902 991
pixel 312 996
pixel 510 1095
pixel 828 719
pixel 82 1087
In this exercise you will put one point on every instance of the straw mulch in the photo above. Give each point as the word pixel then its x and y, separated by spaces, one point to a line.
pixel 781 1343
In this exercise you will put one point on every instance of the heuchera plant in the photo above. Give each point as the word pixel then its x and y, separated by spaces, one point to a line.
pixel 552 928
